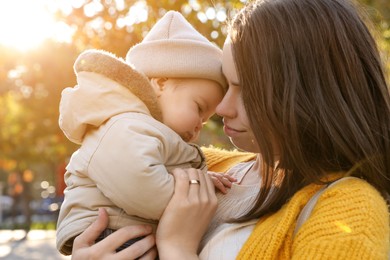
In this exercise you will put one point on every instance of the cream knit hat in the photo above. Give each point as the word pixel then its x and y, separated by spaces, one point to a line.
pixel 174 49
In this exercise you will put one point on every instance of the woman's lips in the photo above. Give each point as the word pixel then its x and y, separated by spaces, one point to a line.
pixel 229 131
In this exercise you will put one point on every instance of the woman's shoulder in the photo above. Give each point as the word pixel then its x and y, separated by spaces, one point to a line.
pixel 353 203
pixel 350 198
pixel 356 191
pixel 351 214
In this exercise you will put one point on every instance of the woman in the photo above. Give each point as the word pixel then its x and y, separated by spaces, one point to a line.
pixel 307 93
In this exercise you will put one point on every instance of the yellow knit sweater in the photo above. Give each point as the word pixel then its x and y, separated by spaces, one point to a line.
pixel 349 221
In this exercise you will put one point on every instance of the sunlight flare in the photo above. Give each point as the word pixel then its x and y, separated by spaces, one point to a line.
pixel 25 24
pixel 343 227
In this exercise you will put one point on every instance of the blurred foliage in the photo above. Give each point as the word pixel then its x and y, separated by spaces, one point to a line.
pixel 31 83
pixel 120 24
pixel 378 13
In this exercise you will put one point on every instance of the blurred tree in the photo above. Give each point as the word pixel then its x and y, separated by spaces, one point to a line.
pixel 117 25
pixel 30 93
pixel 378 12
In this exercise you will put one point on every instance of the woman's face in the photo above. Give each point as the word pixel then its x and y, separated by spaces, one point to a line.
pixel 231 108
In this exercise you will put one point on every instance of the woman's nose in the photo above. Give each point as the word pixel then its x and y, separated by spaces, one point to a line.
pixel 226 107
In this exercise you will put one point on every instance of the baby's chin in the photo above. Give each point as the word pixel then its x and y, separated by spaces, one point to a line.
pixel 187 137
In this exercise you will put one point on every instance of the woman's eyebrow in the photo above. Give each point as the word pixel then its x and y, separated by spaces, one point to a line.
pixel 230 81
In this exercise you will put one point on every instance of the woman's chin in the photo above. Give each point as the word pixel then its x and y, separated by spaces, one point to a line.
pixel 244 144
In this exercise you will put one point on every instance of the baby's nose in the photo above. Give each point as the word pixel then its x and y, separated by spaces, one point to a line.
pixel 199 126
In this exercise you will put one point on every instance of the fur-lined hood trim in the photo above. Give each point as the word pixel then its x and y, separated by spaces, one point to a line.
pixel 106 86
pixel 112 67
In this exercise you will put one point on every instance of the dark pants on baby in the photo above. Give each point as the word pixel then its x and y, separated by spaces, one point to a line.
pixel 109 231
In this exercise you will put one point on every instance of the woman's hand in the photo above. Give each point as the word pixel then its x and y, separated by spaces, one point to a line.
pixel 84 246
pixel 187 215
pixel 222 181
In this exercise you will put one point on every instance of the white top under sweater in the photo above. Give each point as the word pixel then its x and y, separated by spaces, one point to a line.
pixel 224 240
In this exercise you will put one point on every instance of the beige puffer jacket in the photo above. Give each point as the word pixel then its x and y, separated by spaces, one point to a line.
pixel 126 153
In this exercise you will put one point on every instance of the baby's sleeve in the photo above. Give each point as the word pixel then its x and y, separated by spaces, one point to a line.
pixel 128 168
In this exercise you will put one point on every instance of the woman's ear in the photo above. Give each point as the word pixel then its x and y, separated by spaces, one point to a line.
pixel 158 85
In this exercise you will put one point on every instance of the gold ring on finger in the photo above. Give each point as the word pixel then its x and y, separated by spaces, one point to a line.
pixel 194 182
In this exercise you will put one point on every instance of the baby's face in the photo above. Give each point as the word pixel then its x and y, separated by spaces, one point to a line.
pixel 187 104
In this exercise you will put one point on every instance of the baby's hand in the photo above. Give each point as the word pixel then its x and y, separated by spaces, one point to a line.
pixel 222 181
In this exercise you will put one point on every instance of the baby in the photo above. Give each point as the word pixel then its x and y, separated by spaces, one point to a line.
pixel 134 120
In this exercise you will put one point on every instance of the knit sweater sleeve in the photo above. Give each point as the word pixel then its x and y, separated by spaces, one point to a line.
pixel 220 160
pixel 350 221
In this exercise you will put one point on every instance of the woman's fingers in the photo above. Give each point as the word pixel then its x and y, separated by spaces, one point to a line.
pixel 181 182
pixel 142 248
pixel 211 192
pixel 119 237
pixel 84 246
pixel 204 192
pixel 89 236
pixel 150 255
pixel 195 184
pixel 188 213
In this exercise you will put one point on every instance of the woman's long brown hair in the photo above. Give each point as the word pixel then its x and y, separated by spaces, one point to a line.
pixel 315 92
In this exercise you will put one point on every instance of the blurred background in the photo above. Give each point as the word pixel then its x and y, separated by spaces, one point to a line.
pixel 39 41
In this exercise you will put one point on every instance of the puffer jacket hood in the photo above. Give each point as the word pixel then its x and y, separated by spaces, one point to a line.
pixel 106 86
